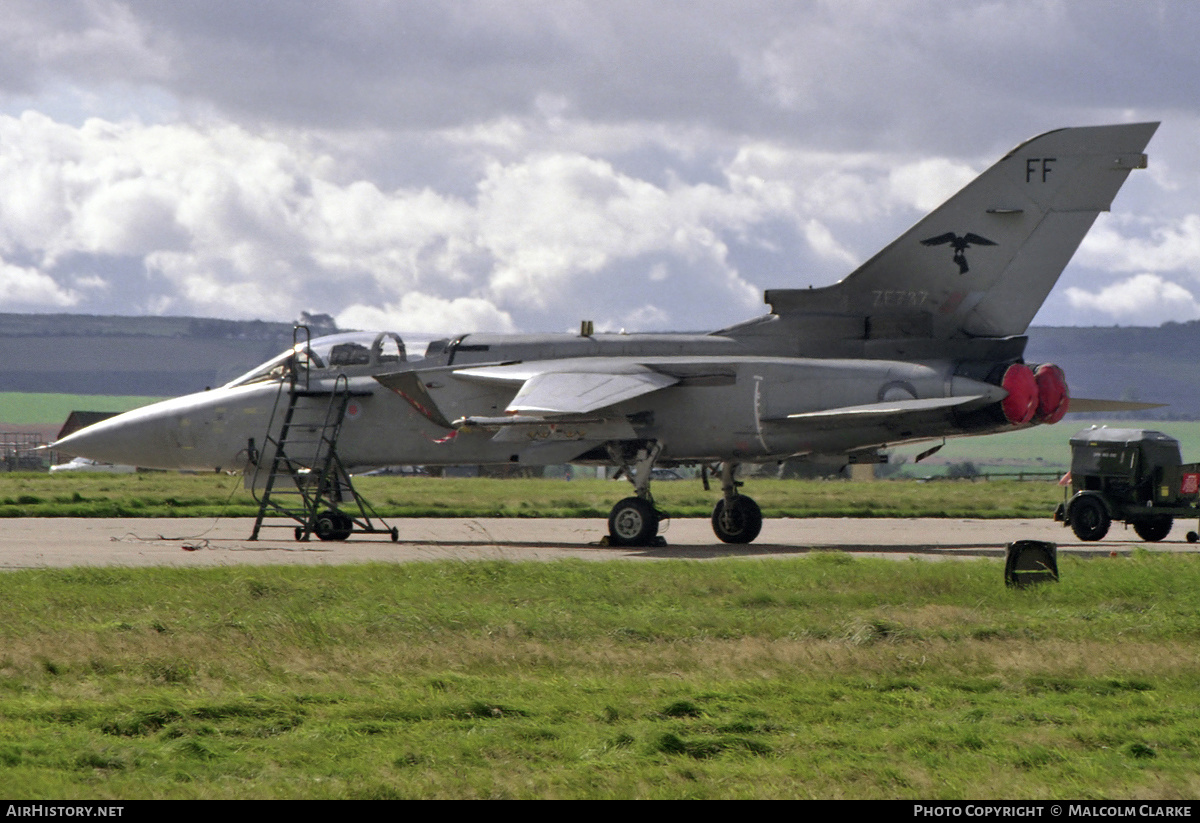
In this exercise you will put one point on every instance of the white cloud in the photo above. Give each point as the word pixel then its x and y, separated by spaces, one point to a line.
pixel 552 219
pixel 926 184
pixel 1124 244
pixel 530 164
pixel 641 318
pixel 1142 300
pixel 425 314
pixel 824 244
pixel 22 287
pixel 216 220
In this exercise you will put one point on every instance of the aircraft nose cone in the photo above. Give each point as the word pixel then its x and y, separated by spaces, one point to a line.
pixel 202 431
pixel 117 440
pixel 137 438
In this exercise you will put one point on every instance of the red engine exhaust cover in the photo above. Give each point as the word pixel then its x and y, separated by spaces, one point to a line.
pixel 1053 396
pixel 1022 401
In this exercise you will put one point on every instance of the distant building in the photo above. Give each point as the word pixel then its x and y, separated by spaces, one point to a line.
pixel 77 420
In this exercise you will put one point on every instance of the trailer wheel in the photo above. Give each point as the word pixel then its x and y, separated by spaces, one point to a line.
pixel 1089 519
pixel 1153 529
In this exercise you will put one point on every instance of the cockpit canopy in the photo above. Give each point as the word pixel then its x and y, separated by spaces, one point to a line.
pixel 351 353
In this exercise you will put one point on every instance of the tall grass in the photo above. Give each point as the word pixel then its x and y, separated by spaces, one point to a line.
pixel 824 676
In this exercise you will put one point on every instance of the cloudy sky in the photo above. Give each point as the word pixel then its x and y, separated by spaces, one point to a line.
pixel 511 165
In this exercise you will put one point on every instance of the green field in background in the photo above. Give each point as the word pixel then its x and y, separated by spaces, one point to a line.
pixel 26 408
pixel 1041 445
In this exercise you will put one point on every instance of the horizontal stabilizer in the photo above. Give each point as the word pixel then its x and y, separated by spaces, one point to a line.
pixel 1086 405
pixel 872 412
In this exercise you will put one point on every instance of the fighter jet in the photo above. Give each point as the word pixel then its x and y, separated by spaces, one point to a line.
pixel 914 345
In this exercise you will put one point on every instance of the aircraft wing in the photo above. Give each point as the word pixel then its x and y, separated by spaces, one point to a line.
pixel 569 387
pixel 582 392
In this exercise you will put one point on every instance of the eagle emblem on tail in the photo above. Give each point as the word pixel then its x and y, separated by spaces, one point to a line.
pixel 960 245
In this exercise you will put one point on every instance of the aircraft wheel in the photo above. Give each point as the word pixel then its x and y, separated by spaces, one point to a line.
pixel 740 522
pixel 1089 519
pixel 1192 537
pixel 395 534
pixel 1153 529
pixel 333 525
pixel 632 522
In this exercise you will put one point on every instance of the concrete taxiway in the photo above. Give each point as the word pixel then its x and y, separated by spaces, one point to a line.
pixel 27 543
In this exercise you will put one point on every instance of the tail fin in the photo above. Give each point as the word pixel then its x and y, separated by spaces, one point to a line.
pixel 983 262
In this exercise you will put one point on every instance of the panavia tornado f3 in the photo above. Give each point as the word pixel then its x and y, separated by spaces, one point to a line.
pixel 924 341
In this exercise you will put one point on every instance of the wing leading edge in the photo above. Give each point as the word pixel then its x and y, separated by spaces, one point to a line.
pixel 569 393
pixel 570 387
pixel 546 391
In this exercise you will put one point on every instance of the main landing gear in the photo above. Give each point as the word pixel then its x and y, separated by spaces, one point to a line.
pixel 634 521
pixel 736 518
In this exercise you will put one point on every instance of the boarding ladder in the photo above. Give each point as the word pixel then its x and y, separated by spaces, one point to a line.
pixel 298 473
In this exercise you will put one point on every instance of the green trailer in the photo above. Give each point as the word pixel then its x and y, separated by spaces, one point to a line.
pixel 1136 476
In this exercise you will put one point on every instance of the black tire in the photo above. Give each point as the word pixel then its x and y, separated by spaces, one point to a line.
pixel 1089 518
pixel 333 525
pixel 1154 529
pixel 1192 537
pixel 632 522
pixel 741 523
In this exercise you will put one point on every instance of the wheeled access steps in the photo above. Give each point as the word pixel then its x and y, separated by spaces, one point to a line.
pixel 299 472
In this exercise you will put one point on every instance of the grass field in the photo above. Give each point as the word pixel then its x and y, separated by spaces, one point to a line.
pixel 825 676
pixel 163 494
pixel 1040 447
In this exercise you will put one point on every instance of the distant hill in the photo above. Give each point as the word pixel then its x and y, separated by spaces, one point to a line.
pixel 167 356
pixel 156 356
pixel 1153 365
